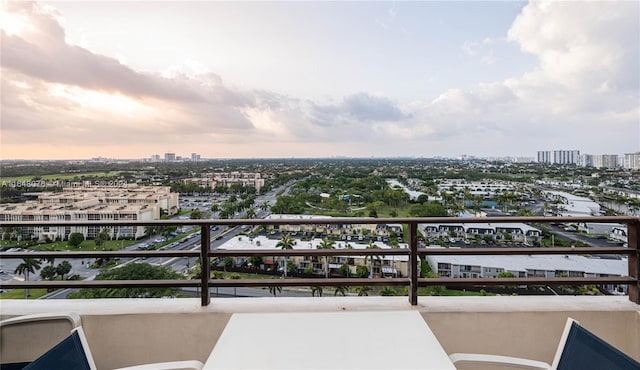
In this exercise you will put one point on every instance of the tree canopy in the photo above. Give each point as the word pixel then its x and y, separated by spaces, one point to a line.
pixel 132 271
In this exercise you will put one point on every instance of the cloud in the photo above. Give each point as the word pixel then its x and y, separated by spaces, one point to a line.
pixel 72 94
pixel 357 108
pixel 586 81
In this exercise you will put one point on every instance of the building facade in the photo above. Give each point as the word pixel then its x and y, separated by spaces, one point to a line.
pixel 559 157
pixel 89 204
pixel 632 161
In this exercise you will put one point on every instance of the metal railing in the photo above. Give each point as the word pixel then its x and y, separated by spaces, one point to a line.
pixel 413 252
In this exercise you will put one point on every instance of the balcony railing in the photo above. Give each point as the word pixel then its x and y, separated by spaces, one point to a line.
pixel 414 253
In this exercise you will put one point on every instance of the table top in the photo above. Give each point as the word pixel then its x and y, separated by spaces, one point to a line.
pixel 328 340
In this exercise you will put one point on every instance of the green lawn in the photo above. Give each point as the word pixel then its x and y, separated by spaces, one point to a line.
pixel 19 294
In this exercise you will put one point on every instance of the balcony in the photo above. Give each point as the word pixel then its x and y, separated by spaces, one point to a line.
pixel 152 330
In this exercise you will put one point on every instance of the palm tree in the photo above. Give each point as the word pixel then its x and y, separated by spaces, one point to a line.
pixel 215 207
pixel 326 244
pixel 286 242
pixel 371 258
pixel 251 213
pixel 275 290
pixel 316 290
pixel 265 205
pixel 50 248
pixel 363 290
pixel 341 290
pixel 28 266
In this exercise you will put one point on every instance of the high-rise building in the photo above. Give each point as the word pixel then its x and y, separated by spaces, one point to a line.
pixel 605 161
pixel 195 157
pixel 155 158
pixel 544 156
pixel 169 157
pixel 586 160
pixel 632 161
pixel 559 156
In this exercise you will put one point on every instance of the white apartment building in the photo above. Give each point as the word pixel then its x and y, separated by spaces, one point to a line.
pixel 252 179
pixel 482 188
pixel 527 266
pixel 122 194
pixel 632 161
pixel 559 156
pixel 89 204
pixel 518 231
pixel 381 265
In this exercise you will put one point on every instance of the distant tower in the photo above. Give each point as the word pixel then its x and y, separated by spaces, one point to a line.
pixel 195 157
pixel 169 157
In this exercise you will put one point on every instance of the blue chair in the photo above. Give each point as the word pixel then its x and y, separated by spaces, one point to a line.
pixel 578 349
pixel 70 354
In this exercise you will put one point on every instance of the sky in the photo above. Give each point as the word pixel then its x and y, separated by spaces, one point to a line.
pixel 122 79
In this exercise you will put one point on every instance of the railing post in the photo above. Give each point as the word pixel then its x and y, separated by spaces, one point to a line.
pixel 633 242
pixel 205 266
pixel 413 263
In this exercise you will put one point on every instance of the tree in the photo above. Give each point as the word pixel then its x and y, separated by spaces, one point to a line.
pixel 215 207
pixel 316 290
pixel 251 213
pixel 195 214
pixel 363 290
pixel 341 290
pixel 63 268
pixel 256 261
pixel 344 270
pixel 362 271
pixel 372 258
pixel 265 205
pixel 133 271
pixel 26 267
pixel 275 290
pixel 75 239
pixel 227 262
pixel 104 234
pixel 285 243
pixel 50 248
pixel 48 273
pixel 326 244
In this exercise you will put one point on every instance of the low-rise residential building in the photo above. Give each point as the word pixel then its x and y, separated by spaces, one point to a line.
pixel 573 205
pixel 227 179
pixel 380 265
pixel 337 230
pixel 527 266
pixel 517 231
pixel 89 204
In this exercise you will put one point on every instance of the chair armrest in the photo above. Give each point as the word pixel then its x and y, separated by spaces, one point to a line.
pixel 72 317
pixel 173 365
pixel 516 362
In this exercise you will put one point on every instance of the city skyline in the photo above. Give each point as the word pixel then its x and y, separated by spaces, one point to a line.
pixel 315 79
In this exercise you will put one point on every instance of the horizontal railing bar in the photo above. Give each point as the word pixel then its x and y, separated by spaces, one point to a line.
pixel 526 281
pixel 308 252
pixel 522 251
pixel 323 252
pixel 327 221
pixel 99 284
pixel 307 282
pixel 313 282
pixel 102 254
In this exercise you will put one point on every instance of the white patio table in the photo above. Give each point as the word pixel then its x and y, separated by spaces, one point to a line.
pixel 328 340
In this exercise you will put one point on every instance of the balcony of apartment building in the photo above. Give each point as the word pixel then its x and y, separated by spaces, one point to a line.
pixel 126 332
